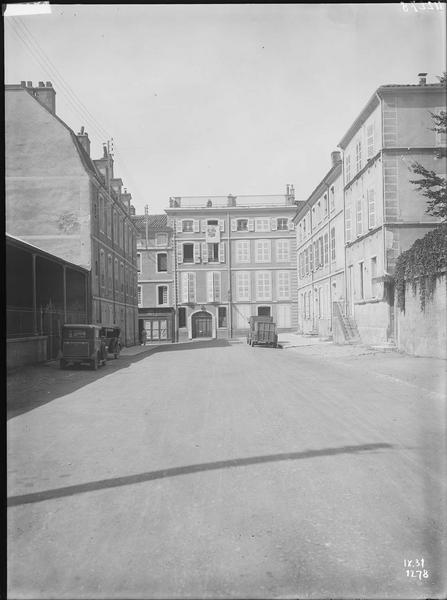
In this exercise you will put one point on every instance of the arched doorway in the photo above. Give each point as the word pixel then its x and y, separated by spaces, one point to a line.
pixel 202 324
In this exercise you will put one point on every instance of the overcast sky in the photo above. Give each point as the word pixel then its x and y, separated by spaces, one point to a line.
pixel 216 99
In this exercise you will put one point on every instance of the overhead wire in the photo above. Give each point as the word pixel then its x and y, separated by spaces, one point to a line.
pixel 40 57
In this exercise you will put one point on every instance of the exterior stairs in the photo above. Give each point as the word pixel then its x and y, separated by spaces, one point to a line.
pixel 347 325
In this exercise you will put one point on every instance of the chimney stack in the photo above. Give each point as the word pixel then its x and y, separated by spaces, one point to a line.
pixel 132 210
pixel 84 140
pixel 335 157
pixel 422 78
pixel 45 94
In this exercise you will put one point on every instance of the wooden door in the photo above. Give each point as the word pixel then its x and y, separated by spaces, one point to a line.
pixel 201 325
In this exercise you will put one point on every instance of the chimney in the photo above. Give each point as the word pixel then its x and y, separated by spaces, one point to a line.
pixel 84 140
pixel 46 95
pixel 23 83
pixel 29 84
pixel 422 78
pixel 335 157
pixel 132 210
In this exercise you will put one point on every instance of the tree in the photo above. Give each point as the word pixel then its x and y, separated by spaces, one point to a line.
pixel 432 185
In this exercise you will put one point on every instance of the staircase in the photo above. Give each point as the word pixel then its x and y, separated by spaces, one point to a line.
pixel 347 324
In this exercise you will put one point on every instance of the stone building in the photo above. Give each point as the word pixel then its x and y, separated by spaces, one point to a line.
pixel 384 212
pixel 319 229
pixel 234 257
pixel 155 277
pixel 65 203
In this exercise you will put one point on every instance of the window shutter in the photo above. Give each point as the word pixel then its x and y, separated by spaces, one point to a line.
pixel 196 226
pixel 209 287
pixel 222 224
pixel 251 224
pixel 204 252
pixel 222 252
pixel 184 284
pixel 178 226
pixel 196 252
pixel 203 225
pixel 273 224
pixel 233 225
pixel 290 225
pixel 217 287
pixel 180 253
pixel 192 287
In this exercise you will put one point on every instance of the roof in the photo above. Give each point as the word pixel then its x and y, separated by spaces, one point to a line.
pixel 17 241
pixel 155 223
pixel 374 101
pixel 329 178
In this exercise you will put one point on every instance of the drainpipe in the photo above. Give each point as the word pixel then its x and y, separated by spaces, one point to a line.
pixel 174 259
pixel 34 296
pixel 230 297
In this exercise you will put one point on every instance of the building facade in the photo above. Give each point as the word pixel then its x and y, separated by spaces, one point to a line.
pixel 384 212
pixel 319 227
pixel 65 203
pixel 234 257
pixel 155 278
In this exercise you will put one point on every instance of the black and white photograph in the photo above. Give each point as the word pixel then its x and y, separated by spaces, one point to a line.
pixel 226 301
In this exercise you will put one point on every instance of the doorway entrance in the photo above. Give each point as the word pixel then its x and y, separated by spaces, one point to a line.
pixel 202 325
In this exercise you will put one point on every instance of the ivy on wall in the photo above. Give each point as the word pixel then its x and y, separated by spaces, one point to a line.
pixel 421 265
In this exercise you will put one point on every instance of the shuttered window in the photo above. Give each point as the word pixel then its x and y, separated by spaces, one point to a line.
pixel 263 251
pixel 263 285
pixel 333 243
pixel 262 224
pixel 348 223
pixel 283 285
pixel 188 287
pixel 371 209
pixel 213 286
pixel 242 285
pixel 282 250
pixel 359 216
pixel 243 251
pixel 326 249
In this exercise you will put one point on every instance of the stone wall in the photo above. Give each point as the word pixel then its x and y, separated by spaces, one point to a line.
pixel 424 333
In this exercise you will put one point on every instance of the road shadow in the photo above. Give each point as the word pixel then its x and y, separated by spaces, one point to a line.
pixel 35 385
pixel 187 470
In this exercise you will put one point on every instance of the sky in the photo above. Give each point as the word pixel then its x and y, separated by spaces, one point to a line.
pixel 208 100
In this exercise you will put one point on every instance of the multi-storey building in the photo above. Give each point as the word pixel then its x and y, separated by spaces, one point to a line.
pixel 155 277
pixel 62 201
pixel 320 252
pixel 384 212
pixel 235 257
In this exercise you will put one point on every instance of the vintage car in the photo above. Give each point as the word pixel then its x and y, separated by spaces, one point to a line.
pixel 82 344
pixel 262 331
pixel 111 336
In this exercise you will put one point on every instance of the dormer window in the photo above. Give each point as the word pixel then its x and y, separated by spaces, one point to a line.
pixel 282 224
pixel 187 226
pixel 242 225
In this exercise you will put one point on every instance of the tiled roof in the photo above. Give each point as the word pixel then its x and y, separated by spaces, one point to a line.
pixel 155 223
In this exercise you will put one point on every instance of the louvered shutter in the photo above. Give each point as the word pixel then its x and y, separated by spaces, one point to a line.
pixel 273 224
pixel 184 287
pixel 233 225
pixel 204 252
pixel 196 252
pixel 180 253
pixel 178 226
pixel 217 287
pixel 222 224
pixel 222 252
pixel 210 286
pixel 251 224
pixel 290 225
pixel 196 226
pixel 192 287
pixel 203 222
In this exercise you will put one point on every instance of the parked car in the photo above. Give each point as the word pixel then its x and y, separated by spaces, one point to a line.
pixel 82 344
pixel 262 331
pixel 111 336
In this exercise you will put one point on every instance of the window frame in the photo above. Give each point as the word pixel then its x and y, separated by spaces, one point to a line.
pixel 165 254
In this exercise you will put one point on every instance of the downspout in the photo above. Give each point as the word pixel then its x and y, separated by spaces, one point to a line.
pixel 174 259
pixel 230 297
